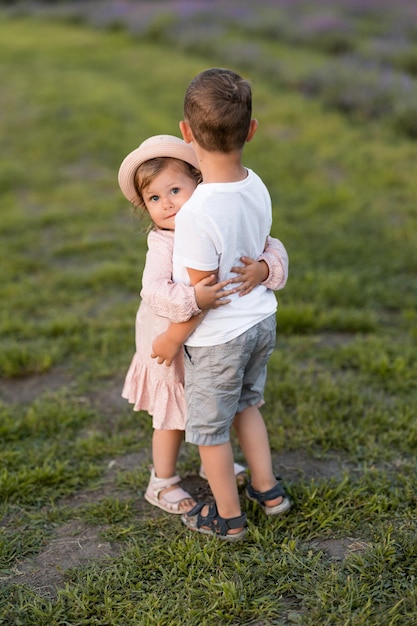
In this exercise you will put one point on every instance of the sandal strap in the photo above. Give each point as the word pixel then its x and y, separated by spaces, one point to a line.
pixel 196 509
pixel 236 522
pixel 219 525
pixel 159 484
pixel 261 496
pixel 175 496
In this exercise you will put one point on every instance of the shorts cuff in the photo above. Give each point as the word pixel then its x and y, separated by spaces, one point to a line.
pixel 200 439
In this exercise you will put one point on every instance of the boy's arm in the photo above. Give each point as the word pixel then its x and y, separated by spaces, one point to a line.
pixel 167 345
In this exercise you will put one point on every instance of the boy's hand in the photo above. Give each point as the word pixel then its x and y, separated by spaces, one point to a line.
pixel 251 274
pixel 211 295
pixel 164 349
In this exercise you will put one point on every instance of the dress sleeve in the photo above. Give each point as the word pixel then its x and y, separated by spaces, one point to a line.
pixel 175 301
pixel 276 257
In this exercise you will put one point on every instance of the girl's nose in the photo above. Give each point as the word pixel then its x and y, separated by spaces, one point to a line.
pixel 168 202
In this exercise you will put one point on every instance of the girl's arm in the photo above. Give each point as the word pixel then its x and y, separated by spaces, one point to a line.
pixel 276 257
pixel 176 301
pixel 167 345
pixel 270 269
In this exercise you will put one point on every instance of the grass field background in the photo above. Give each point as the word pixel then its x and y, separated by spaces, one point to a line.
pixel 334 93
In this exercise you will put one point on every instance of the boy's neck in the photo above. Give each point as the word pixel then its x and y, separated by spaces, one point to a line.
pixel 217 167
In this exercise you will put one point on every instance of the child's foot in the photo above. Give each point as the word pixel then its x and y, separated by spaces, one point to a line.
pixel 204 518
pixel 167 495
pixel 273 501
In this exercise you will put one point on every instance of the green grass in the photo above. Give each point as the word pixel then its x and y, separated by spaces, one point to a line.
pixel 341 389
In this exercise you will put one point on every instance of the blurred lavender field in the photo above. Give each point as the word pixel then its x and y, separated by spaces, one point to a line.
pixel 361 54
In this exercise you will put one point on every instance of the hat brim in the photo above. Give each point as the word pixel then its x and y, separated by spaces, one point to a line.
pixel 152 148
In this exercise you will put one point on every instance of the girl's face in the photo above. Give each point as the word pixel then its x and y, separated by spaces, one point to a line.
pixel 166 194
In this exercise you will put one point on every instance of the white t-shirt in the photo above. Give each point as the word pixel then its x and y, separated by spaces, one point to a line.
pixel 220 223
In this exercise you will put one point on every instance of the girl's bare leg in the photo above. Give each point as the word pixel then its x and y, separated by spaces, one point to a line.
pixel 165 449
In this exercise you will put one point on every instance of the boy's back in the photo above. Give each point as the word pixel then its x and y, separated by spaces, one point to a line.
pixel 219 224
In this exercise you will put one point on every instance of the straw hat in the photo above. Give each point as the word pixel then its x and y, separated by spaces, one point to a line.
pixel 151 148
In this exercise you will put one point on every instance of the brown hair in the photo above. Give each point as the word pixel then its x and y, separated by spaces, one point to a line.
pixel 147 171
pixel 218 108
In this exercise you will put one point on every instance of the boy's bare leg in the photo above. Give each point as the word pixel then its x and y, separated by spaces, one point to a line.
pixel 218 464
pixel 254 442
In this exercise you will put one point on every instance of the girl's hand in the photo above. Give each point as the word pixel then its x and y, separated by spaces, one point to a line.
pixel 165 349
pixel 251 274
pixel 211 295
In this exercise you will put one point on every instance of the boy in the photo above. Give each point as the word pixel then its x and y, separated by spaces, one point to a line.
pixel 226 351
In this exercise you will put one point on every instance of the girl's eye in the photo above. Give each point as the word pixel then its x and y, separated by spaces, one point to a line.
pixel 154 198
pixel 175 190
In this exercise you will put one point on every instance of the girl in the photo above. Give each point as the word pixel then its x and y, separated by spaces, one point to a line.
pixel 159 177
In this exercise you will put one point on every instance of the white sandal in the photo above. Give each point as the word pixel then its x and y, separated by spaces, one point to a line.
pixel 240 474
pixel 169 501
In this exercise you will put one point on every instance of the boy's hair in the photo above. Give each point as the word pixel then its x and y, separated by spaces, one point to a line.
pixel 218 108
pixel 147 171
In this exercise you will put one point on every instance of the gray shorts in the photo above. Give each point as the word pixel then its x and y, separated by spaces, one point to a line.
pixel 222 380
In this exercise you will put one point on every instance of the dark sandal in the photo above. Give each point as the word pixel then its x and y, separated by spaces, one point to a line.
pixel 261 497
pixel 213 524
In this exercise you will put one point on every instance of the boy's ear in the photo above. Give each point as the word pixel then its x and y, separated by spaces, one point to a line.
pixel 186 131
pixel 252 129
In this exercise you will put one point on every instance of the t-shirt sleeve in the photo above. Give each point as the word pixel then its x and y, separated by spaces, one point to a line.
pixel 195 246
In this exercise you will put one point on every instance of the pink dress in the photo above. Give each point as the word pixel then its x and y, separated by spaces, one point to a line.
pixel 151 387
pixel 159 389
